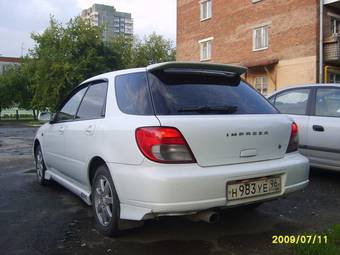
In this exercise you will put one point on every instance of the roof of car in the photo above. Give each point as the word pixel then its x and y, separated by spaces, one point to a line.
pixel 114 73
pixel 306 86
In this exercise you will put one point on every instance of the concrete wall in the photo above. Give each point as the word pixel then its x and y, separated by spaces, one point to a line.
pixel 286 73
pixel 296 71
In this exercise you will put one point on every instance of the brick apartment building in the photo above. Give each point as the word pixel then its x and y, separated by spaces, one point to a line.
pixel 278 40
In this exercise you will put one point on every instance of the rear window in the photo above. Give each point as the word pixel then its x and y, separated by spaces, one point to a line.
pixel 192 94
pixel 133 96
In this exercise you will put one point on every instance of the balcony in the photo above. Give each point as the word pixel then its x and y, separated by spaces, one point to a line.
pixel 332 49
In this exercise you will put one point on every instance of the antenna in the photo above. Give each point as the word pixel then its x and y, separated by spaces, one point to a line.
pixel 22 49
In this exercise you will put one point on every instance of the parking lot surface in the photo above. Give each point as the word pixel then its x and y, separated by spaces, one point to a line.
pixel 51 220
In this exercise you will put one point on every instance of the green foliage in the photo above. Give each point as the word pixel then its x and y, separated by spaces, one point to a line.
pixel 153 49
pixel 139 53
pixel 64 57
pixel 14 89
pixel 126 47
pixel 332 246
pixel 6 100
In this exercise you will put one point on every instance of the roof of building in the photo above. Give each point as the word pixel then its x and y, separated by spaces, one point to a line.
pixel 257 63
pixel 10 59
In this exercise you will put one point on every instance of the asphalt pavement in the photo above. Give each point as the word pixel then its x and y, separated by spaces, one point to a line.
pixel 51 220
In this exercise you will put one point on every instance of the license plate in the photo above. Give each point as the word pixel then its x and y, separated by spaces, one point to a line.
pixel 253 187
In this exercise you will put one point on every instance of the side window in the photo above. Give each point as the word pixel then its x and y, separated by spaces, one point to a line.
pixel 327 102
pixel 293 101
pixel 94 102
pixel 69 109
pixel 132 94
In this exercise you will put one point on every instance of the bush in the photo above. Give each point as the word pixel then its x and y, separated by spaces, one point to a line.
pixel 332 247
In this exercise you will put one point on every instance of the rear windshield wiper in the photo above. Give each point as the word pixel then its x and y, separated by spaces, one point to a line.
pixel 209 109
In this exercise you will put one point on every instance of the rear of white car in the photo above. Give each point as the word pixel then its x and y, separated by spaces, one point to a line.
pixel 170 139
pixel 218 144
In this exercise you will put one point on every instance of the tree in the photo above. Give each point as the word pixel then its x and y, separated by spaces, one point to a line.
pixel 6 100
pixel 17 85
pixel 139 53
pixel 154 49
pixel 124 45
pixel 65 56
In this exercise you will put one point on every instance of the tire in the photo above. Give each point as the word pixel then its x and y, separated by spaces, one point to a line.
pixel 40 166
pixel 106 206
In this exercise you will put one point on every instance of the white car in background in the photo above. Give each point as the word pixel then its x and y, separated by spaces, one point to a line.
pixel 170 139
pixel 316 110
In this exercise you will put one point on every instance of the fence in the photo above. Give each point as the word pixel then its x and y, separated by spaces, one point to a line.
pixel 16 114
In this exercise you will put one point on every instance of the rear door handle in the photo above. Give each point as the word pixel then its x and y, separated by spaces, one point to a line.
pixel 89 130
pixel 61 130
pixel 318 128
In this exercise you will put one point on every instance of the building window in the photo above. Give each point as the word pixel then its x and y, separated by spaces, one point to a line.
pixel 260 38
pixel 261 85
pixel 205 9
pixel 334 26
pixel 206 49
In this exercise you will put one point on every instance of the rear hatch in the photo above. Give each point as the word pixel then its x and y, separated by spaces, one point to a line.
pixel 223 119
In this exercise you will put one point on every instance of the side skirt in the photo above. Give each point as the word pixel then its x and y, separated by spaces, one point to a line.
pixel 84 195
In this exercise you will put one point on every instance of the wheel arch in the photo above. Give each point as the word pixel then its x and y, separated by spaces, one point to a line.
pixel 95 162
pixel 35 145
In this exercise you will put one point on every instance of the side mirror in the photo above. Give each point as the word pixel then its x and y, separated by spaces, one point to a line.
pixel 44 117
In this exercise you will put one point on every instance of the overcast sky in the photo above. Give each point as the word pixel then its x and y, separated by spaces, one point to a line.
pixel 19 18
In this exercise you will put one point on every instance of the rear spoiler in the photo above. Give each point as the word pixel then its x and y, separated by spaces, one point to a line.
pixel 195 67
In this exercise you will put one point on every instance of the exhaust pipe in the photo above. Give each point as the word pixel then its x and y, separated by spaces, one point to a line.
pixel 206 216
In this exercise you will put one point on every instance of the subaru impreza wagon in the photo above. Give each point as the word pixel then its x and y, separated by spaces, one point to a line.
pixel 169 139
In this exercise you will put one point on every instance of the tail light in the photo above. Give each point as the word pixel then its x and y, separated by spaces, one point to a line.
pixel 294 138
pixel 164 145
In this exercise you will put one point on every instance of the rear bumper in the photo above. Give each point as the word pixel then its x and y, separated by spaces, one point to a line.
pixel 153 189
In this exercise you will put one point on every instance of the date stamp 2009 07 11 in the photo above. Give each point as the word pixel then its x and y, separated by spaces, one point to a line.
pixel 299 239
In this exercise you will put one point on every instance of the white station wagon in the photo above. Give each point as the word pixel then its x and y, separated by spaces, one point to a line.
pixel 169 139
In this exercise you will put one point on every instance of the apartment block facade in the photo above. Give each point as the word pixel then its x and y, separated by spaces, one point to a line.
pixel 278 40
pixel 114 22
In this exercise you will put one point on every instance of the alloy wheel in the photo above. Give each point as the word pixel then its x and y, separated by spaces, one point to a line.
pixel 39 165
pixel 103 200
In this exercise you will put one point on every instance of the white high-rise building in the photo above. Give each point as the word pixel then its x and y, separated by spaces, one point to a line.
pixel 114 22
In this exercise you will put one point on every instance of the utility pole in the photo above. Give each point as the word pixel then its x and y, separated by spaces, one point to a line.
pixel 321 64
pixel 22 49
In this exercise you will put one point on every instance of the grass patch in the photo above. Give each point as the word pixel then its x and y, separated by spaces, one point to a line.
pixel 332 247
